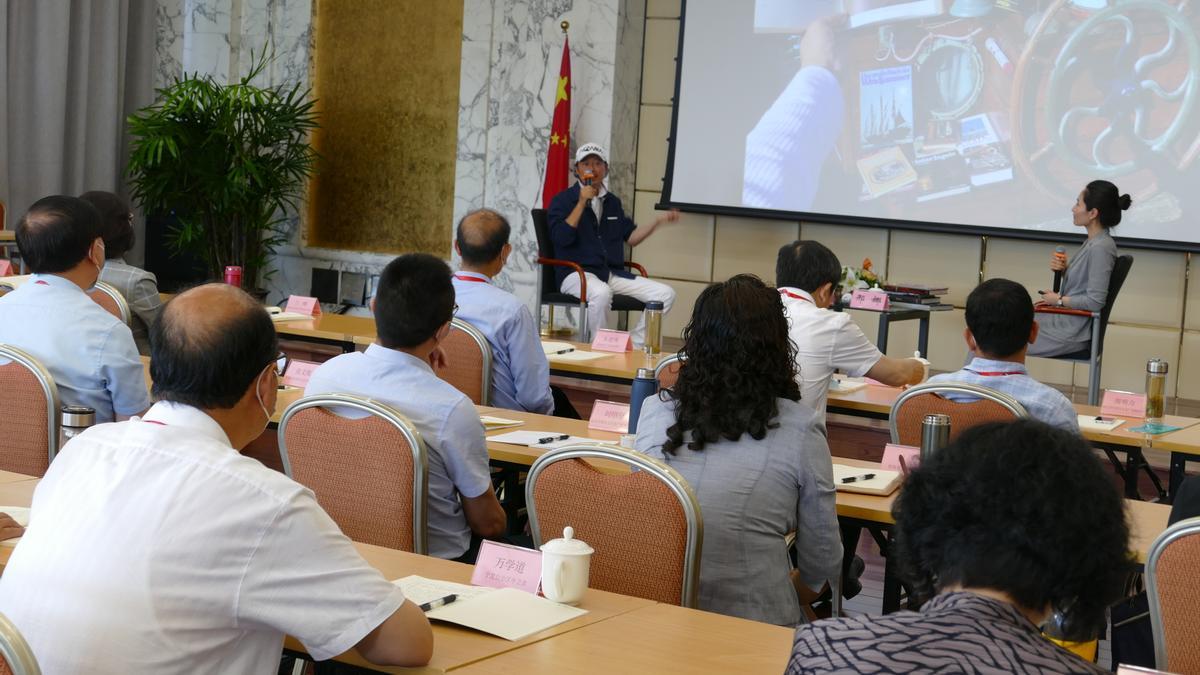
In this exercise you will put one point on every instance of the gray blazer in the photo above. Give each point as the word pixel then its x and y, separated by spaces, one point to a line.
pixel 752 494
pixel 1086 284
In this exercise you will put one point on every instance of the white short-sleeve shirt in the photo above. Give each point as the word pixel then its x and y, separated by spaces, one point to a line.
pixel 155 547
pixel 826 341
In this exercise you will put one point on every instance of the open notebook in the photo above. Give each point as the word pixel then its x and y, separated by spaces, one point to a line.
pixel 882 482
pixel 503 612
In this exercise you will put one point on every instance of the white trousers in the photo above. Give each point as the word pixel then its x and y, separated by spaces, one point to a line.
pixel 599 296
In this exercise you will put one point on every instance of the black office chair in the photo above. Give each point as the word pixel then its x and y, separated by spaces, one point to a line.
pixel 1095 351
pixel 548 286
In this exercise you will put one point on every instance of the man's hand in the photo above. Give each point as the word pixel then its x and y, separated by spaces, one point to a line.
pixel 9 529
pixel 437 358
pixel 587 192
pixel 671 216
pixel 817 45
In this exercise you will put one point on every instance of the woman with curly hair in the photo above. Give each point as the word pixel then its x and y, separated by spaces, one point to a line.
pixel 997 531
pixel 757 459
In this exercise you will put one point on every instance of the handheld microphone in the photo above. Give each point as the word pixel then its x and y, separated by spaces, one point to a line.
pixel 1061 254
pixel 586 178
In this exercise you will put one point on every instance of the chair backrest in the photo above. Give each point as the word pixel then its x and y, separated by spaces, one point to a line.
pixel 1115 281
pixel 1173 588
pixel 112 301
pixel 541 227
pixel 370 473
pixel 645 526
pixel 32 413
pixel 18 658
pixel 468 362
pixel 667 371
pixel 987 405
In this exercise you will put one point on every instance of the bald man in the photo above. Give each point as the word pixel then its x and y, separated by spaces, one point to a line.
pixel 179 554
pixel 520 372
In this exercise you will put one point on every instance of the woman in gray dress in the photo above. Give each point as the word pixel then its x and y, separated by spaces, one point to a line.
pixel 756 458
pixel 1085 279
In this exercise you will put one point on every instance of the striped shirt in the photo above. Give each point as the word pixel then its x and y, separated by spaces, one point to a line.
pixel 953 633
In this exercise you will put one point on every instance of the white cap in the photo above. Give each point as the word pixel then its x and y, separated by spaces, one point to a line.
pixel 591 149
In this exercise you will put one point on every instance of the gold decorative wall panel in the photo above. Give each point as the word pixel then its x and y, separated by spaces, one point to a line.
pixel 385 75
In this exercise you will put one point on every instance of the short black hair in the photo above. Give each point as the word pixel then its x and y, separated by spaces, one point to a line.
pixel 1020 507
pixel 210 365
pixel 1000 317
pixel 116 222
pixel 484 242
pixel 807 265
pixel 1108 202
pixel 415 298
pixel 56 233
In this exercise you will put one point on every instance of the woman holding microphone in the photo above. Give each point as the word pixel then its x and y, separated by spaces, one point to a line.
pixel 1085 278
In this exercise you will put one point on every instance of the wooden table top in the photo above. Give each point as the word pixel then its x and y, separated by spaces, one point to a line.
pixel 878 400
pixel 1185 440
pixel 337 327
pixel 655 639
pixel 456 646
pixel 525 456
pixel 7 236
pixel 616 366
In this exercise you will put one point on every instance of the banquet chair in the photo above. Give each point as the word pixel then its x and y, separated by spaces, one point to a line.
pixel 645 525
pixel 365 462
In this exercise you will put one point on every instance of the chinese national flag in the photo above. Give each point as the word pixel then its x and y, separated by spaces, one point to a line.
pixel 558 158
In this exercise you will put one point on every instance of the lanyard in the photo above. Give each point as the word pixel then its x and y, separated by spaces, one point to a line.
pixel 794 296
pixel 994 373
pixel 476 280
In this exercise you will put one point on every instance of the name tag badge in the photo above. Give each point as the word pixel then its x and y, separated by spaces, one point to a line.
pixel 1123 404
pixel 301 304
pixel 507 566
pixel 610 416
pixel 298 373
pixel 611 218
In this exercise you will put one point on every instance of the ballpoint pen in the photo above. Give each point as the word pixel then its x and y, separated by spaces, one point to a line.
pixel 563 351
pixel 551 439
pixel 434 604
pixel 855 479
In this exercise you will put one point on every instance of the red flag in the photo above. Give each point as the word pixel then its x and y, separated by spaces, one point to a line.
pixel 558 157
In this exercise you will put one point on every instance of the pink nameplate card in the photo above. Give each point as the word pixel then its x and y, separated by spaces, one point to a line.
pixel 892 452
pixel 612 341
pixel 5 268
pixel 869 299
pixel 507 566
pixel 1123 404
pixel 609 416
pixel 303 305
pixel 298 373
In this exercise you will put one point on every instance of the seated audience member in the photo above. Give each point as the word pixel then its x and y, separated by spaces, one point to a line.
pixel 998 530
pixel 136 285
pixel 1000 327
pixel 155 547
pixel 734 428
pixel 807 274
pixel 520 372
pixel 413 307
pixel 89 352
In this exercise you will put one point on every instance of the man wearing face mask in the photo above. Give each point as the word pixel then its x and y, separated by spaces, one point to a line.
pixel 156 547
pixel 89 352
pixel 589 227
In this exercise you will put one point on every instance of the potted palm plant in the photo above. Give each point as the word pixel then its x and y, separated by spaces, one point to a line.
pixel 228 160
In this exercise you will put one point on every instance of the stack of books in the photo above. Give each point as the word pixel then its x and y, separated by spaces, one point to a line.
pixel 916 296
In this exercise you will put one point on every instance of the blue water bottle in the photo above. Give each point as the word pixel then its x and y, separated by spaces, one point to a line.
pixel 644 385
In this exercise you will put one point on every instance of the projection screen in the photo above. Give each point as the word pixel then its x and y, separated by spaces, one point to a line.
pixel 977 116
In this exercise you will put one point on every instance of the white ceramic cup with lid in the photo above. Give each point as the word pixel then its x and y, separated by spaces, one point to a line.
pixel 566 564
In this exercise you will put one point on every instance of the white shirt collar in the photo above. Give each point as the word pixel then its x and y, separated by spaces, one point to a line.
pixel 54 281
pixel 474 275
pixel 188 417
pixel 785 290
pixel 395 356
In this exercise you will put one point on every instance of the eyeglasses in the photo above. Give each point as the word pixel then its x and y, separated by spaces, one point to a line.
pixel 281 364
pixel 454 312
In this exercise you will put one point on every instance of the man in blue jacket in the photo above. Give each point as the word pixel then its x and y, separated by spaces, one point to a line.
pixel 589 227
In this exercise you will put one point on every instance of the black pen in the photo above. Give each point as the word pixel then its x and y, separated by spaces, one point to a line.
pixel 434 604
pixel 568 350
pixel 855 479
pixel 551 439
pixel 1102 419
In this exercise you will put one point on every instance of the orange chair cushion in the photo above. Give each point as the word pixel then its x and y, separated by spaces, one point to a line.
pixel 963 415
pixel 25 442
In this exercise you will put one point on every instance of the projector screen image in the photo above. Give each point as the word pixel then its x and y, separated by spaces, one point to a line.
pixel 974 115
